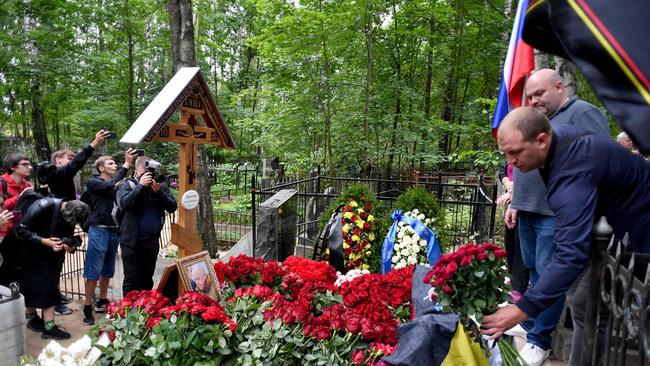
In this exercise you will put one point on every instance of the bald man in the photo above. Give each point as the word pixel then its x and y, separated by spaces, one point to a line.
pixel 545 91
pixel 587 175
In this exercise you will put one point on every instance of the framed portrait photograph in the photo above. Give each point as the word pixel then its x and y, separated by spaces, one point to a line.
pixel 197 274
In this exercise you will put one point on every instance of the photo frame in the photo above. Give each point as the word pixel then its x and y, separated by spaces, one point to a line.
pixel 197 274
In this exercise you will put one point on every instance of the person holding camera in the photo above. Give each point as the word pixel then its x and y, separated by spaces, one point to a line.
pixel 143 201
pixel 47 229
pixel 59 178
pixel 99 264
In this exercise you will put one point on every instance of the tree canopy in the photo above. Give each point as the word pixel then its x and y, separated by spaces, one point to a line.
pixel 346 84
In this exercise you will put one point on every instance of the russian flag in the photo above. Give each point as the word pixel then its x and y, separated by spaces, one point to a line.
pixel 520 61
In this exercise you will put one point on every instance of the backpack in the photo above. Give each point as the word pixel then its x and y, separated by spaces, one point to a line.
pixel 117 212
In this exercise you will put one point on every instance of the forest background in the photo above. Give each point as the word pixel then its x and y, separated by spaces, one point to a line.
pixel 351 85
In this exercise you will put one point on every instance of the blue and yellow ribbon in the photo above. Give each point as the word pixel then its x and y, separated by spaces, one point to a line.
pixel 433 245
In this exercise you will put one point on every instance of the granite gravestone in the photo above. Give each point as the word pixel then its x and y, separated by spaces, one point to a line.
pixel 276 230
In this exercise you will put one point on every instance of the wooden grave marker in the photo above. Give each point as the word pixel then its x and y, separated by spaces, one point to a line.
pixel 188 93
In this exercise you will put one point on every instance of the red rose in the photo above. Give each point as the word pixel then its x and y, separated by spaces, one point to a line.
pixel 358 356
pixel 427 277
pixel 500 253
pixel 433 296
pixel 448 290
pixel 466 261
pixel 367 207
pixel 347 208
pixel 366 226
pixel 481 256
pixel 363 215
pixel 451 268
pixel 353 219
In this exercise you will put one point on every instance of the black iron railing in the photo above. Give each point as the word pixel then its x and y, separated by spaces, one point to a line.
pixel 468 203
pixel 617 319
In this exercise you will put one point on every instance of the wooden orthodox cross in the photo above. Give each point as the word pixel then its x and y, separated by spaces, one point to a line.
pixel 200 123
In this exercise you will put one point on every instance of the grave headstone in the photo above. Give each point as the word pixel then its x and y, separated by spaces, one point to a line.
pixel 276 229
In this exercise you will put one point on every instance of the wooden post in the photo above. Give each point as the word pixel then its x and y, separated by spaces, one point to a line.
pixel 186 182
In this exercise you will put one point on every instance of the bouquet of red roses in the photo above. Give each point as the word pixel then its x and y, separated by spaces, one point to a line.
pixel 470 281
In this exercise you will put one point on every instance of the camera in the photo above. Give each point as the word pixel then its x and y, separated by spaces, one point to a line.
pixel 72 241
pixel 44 171
pixel 155 168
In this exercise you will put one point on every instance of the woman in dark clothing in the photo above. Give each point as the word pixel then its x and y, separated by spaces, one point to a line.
pixel 47 231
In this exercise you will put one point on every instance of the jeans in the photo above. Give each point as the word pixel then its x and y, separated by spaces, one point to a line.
pixel 537 247
pixel 100 257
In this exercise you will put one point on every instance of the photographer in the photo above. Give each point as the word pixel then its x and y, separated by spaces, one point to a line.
pixel 59 178
pixel 102 231
pixel 143 201
pixel 47 230
pixel 68 164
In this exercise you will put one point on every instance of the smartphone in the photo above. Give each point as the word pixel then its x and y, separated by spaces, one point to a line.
pixel 18 215
pixel 112 136
pixel 139 152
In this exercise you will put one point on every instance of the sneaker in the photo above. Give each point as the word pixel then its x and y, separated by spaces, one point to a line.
pixel 89 319
pixel 533 355
pixel 517 331
pixel 36 324
pixel 65 299
pixel 55 333
pixel 62 309
pixel 100 307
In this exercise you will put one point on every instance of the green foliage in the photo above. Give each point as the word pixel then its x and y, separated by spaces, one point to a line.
pixel 426 203
pixel 339 84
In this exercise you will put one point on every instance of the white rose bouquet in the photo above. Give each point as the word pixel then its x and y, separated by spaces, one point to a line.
pixel 410 248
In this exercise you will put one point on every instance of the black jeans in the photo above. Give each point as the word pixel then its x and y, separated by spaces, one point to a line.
pixel 516 267
pixel 139 264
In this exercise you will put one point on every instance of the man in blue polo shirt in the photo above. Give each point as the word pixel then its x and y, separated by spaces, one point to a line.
pixel 587 176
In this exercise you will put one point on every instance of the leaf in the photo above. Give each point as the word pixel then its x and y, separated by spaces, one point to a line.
pixel 479 274
pixel 479 304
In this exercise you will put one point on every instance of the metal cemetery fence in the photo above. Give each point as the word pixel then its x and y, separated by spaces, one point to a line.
pixel 468 203
pixel 617 321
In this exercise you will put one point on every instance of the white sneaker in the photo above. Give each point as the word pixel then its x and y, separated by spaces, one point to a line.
pixel 533 355
pixel 517 331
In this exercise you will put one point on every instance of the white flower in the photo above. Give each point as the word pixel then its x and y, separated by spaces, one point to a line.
pixel 80 348
pixel 421 217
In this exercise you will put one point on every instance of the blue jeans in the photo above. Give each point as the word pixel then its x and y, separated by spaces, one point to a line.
pixel 537 247
pixel 100 257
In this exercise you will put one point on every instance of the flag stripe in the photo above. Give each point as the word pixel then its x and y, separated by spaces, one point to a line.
pixel 617 46
pixel 610 50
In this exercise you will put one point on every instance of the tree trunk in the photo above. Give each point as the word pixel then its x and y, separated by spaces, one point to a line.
pixel 129 87
pixel 184 54
pixel 369 30
pixel 398 99
pixel 542 60
pixel 39 129
pixel 428 82
pixel 568 73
